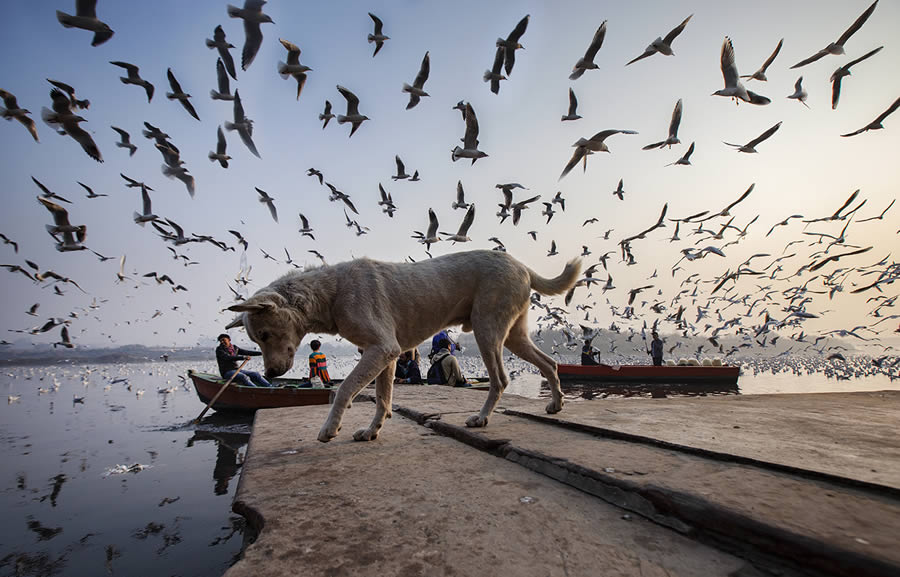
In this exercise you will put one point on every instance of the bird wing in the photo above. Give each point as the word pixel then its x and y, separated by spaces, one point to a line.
pixel 145 197
pixel 649 51
pixel 596 43
pixel 573 102
pixel 764 135
pixel 836 257
pixel 689 152
pixel 676 120
pixel 676 31
pixel 252 42
pixel 8 99
pixel 498 61
pixel 509 56
pixel 221 144
pixel 132 70
pixel 400 168
pixel 424 70
pixel 798 86
pixel 432 224
pixel 863 57
pixel 238 108
pixel 378 24
pixel 573 162
pixel 293 56
pixel 771 58
pixel 86 8
pixel 743 196
pixel 43 188
pixel 126 138
pixel 893 107
pixel 604 134
pixel 467 221
pixel 811 59
pixel 222 78
pixel 519 30
pixel 82 137
pixel 857 24
pixel 352 101
pixel 303 222
pixel 471 137
pixel 60 215
pixel 726 62
pixel 173 83
pixel 61 103
pixel 349 203
pixel 460 193
pixel 835 91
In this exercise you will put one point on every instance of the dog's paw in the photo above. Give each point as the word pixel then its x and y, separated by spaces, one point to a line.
pixel 476 421
pixel 554 406
pixel 326 433
pixel 365 435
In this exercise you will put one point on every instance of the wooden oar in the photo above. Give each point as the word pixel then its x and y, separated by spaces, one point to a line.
pixel 222 390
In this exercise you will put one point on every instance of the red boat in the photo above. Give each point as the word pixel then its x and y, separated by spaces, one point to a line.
pixel 238 398
pixel 722 375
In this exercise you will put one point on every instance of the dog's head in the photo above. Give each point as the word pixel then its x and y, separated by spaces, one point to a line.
pixel 273 326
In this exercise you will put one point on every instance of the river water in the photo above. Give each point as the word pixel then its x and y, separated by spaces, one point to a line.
pixel 121 482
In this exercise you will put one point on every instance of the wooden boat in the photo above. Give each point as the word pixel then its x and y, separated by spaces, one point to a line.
pixel 238 398
pixel 723 375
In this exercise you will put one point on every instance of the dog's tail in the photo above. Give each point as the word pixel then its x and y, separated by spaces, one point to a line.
pixel 559 284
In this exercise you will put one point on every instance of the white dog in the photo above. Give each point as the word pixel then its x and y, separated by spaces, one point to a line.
pixel 386 308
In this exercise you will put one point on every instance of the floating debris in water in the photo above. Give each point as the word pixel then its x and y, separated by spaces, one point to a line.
pixel 120 469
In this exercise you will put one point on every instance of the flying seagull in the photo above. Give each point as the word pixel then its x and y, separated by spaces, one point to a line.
pixel 845 71
pixel 620 190
pixel 431 236
pixel 800 95
pixel 146 215
pixel 223 85
pixel 243 125
pixel 378 36
pixel 253 16
pixel 125 141
pixel 585 147
pixel 62 226
pixel 673 130
pixel 293 67
pixel 663 45
pixel 573 106
pixel 836 257
pixel 305 230
pixel 86 19
pixel 511 44
pixel 353 116
pixel 326 115
pixel 415 91
pixel 460 197
pixel 219 43
pixel 877 123
pixel 401 169
pixel 268 201
pixel 90 191
pixel 219 155
pixel 495 74
pixel 470 140
pixel 134 77
pixel 467 221
pixel 179 94
pixel 68 122
pixel 761 73
pixel 586 62
pixel 686 159
pixel 734 88
pixel 837 47
pixel 12 110
pixel 47 193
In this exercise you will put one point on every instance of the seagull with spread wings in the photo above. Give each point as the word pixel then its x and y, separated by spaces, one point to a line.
pixel 416 90
pixel 293 67
pixel 511 44
pixel 179 94
pixel 146 215
pixel 467 221
pixel 584 147
pixel 573 107
pixel 761 73
pixel 243 125
pixel 12 110
pixel 326 115
pixel 268 201
pixel 125 141
pixel 223 46
pixel 877 124
pixel 253 16
pixel 221 145
pixel 85 18
pixel 734 88
pixel 66 122
pixel 377 36
pixel 837 47
pixel 674 123
pixel 800 94
pixel 495 74
pixel 586 62
pixel 223 85
pixel 134 77
pixel 353 116
pixel 685 160
pixel 663 45
pixel 470 140
pixel 751 146
pixel 72 236
pixel 844 70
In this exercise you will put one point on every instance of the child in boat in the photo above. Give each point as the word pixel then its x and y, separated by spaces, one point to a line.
pixel 318 365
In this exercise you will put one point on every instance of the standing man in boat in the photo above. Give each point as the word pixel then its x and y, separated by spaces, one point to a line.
pixel 656 350
pixel 228 355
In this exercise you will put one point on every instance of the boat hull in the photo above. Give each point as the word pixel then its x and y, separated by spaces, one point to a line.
pixel 724 375
pixel 238 398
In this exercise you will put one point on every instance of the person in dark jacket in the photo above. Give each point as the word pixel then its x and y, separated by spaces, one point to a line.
pixel 656 350
pixel 228 355
pixel 589 355
pixel 408 370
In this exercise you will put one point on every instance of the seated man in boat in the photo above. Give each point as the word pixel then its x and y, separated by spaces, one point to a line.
pixel 656 349
pixel 408 369
pixel 588 352
pixel 445 368
pixel 318 364
pixel 228 355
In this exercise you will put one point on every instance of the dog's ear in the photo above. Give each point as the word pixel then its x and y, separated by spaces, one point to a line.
pixel 237 322
pixel 258 303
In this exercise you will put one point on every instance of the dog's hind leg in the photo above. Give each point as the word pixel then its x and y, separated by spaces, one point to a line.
pixel 490 343
pixel 521 345
pixel 374 359
pixel 384 387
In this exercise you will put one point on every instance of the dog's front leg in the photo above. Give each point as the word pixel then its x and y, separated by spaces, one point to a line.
pixel 373 361
pixel 384 388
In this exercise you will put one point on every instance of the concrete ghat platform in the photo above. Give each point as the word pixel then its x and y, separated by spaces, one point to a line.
pixel 710 486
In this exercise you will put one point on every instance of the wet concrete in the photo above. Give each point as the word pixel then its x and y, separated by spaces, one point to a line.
pixel 708 486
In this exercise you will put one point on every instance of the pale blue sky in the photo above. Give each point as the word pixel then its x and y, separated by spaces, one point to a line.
pixel 805 168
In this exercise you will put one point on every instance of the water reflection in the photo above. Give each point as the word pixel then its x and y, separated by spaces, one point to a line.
pixel 229 456
pixel 593 390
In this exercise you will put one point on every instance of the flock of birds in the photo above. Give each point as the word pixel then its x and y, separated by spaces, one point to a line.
pixel 784 285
